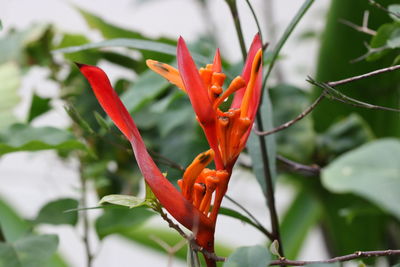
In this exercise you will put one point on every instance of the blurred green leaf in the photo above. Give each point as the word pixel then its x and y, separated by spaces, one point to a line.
pixel 301 216
pixel 117 220
pixel 343 136
pixel 38 107
pixel 371 171
pixel 298 141
pixel 254 256
pixel 394 40
pixel 134 44
pixel 237 215
pixel 382 38
pixel 123 200
pixel 146 88
pixel 253 145
pixel 12 44
pixel 34 251
pixel 21 137
pixel 12 226
pixel 8 256
pixel 10 78
pixel 1 25
pixel 394 9
pixel 54 212
pixel 87 56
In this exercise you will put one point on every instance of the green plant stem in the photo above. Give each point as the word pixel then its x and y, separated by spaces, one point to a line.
pixel 85 219
pixel 296 19
pixel 235 15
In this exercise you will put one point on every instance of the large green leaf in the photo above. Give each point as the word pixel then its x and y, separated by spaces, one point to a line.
pixel 30 251
pixel 147 87
pixel 138 44
pixel 21 137
pixel 116 220
pixel 254 256
pixel 55 213
pixel 298 220
pixel 10 81
pixel 371 171
pixel 39 106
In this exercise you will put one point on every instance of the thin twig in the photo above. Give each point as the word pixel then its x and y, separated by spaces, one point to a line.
pixel 255 19
pixel 363 76
pixel 309 170
pixel 257 222
pixel 85 220
pixel 355 255
pixel 295 120
pixel 363 28
pixel 372 2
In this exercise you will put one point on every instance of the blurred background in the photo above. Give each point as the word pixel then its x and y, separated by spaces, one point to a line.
pixel 40 82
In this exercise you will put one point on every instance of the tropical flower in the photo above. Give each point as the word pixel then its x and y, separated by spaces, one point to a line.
pixel 226 132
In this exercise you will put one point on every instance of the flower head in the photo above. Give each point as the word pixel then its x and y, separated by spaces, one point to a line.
pixel 226 131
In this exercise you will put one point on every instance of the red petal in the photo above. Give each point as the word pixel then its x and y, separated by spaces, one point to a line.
pixel 217 66
pixel 198 94
pixel 237 100
pixel 169 197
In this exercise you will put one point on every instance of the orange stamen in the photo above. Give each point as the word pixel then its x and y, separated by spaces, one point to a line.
pixel 211 185
pixel 220 191
pixel 166 71
pixel 235 85
pixel 194 170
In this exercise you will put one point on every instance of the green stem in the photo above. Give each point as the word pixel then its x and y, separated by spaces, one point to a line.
pixel 235 15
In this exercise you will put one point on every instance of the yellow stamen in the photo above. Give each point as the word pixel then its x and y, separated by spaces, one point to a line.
pixel 166 71
pixel 255 67
pixel 194 170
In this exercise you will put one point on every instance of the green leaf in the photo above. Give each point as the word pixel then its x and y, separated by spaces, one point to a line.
pixel 237 215
pixel 371 171
pixel 394 40
pixel 148 86
pixel 383 35
pixel 299 219
pixel 133 44
pixel 394 9
pixel 38 107
pixel 8 256
pixel 12 226
pixel 10 78
pixel 21 137
pixel 254 256
pixel 253 146
pixel 54 212
pixel 123 200
pixel 35 250
pixel 296 142
pixel 117 220
pixel 343 136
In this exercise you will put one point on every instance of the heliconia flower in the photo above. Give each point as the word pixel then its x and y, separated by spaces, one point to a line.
pixel 226 132
pixel 202 190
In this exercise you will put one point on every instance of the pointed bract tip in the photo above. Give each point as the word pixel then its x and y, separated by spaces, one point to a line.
pixel 80 65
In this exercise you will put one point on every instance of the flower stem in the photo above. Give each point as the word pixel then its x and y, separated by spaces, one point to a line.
pixel 235 15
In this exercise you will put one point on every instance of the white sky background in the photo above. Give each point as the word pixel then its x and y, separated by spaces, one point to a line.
pixel 43 177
